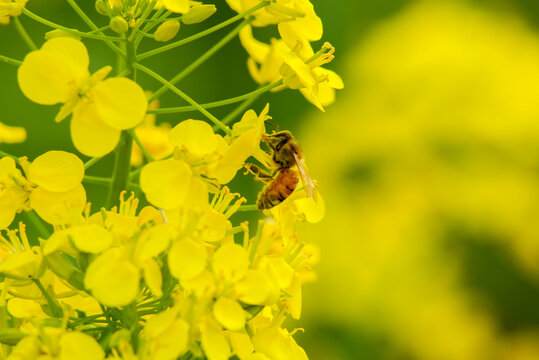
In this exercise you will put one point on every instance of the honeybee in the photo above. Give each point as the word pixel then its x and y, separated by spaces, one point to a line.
pixel 282 181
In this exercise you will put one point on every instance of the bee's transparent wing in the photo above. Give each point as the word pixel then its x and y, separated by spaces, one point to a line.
pixel 308 183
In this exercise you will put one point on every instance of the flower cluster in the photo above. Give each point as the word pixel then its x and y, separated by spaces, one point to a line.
pixel 290 58
pixel 175 271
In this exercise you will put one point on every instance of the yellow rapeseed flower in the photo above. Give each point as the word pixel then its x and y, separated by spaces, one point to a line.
pixel 58 73
pixel 9 9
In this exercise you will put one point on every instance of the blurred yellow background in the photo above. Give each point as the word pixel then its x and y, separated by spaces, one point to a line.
pixel 429 163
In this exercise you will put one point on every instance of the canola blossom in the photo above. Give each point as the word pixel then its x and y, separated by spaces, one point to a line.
pixel 167 266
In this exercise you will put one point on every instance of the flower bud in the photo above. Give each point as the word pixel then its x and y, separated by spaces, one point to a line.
pixel 119 25
pixel 198 14
pixel 60 33
pixel 167 30
pixel 118 7
pixel 101 7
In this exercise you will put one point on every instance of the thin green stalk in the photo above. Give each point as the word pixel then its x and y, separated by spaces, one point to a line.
pixel 256 241
pixel 96 180
pixel 24 35
pixel 141 147
pixel 10 61
pixel 106 27
pixel 122 160
pixel 91 162
pixel 135 172
pixel 240 109
pixel 203 33
pixel 89 35
pixel 5 154
pixel 93 26
pixel 157 17
pixel 248 96
pixel 122 165
pixel 184 96
pixel 38 223
pixel 56 311
pixel 189 69
pixel 141 20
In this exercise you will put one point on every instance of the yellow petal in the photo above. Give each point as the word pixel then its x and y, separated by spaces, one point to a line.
pixel 214 343
pixel 25 308
pixel 166 182
pixel 153 278
pixel 256 49
pixel 241 344
pixel 309 26
pixel 56 171
pixel 313 211
pixel 215 225
pixel 90 238
pixel 203 285
pixel 187 258
pixel 11 201
pixel 120 102
pixel 76 345
pixel 45 79
pixel 195 136
pixel 293 303
pixel 159 324
pixel 154 241
pixel 57 207
pixel 229 313
pixel 230 262
pixel 177 6
pixel 253 289
pixel 173 342
pixel 90 135
pixel 112 280
pixel 283 271
pixel 73 53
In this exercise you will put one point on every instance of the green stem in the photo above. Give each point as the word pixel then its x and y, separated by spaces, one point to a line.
pixel 186 71
pixel 38 223
pixel 122 165
pixel 153 22
pixel 122 160
pixel 184 96
pixel 141 147
pixel 135 172
pixel 24 35
pixel 10 61
pixel 256 241
pixel 203 33
pixel 106 27
pixel 56 311
pixel 96 180
pixel 5 154
pixel 89 35
pixel 240 109
pixel 141 20
pixel 91 162
pixel 93 26
pixel 253 95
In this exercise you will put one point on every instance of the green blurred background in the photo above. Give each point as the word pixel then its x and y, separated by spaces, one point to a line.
pixel 428 162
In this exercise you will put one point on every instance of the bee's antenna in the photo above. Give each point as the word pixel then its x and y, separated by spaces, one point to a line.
pixel 272 124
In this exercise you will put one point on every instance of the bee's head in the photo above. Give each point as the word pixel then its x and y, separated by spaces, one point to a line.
pixel 277 139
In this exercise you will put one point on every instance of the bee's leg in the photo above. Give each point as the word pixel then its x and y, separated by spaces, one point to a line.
pixel 260 175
